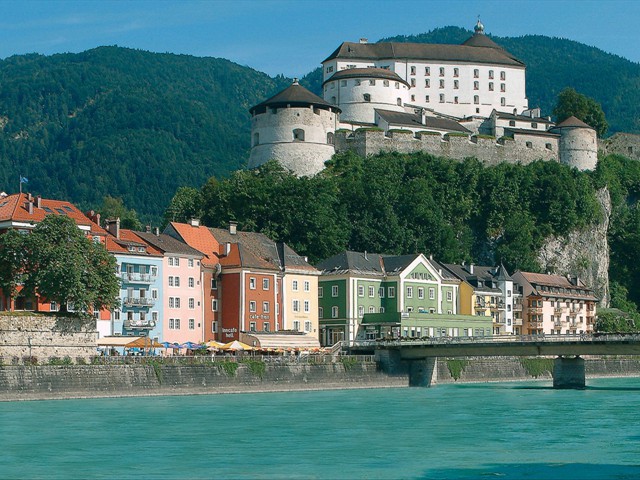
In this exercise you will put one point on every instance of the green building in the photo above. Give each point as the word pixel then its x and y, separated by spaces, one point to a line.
pixel 365 296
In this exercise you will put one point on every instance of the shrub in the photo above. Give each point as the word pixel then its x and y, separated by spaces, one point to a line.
pixel 456 367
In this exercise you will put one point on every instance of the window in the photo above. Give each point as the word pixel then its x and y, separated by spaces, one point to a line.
pixel 357 82
pixel 177 324
pixel 427 71
pixel 154 317
pixel 191 282
pixel 372 309
pixel 296 325
pixel 266 327
pixel 252 283
pixel 391 292
pixel 214 327
pixel 176 281
pixel 491 86
pixel 298 135
pixel 476 85
pixel 534 125
pixel 442 71
pixel 420 293
pixel 170 281
pixel 529 144
pixel 307 306
pixel 192 303
pixel 265 284
pixel 177 302
pixel 334 291
pixel 476 73
pixel 294 285
pixel 449 296
pixel 491 74
pixel 441 83
pixel 372 291
pixel 456 72
pixel 372 82
pixel 503 101
pixel 548 146
pixel 456 84
pixel 426 98
pixel 476 99
pixel 397 84
pixel 296 306
pixel 53 306
pixel 343 83
pixel 512 123
pixel 360 291
pixel 413 82
pixel 190 263
pixel 320 312
pixel 176 262
pixel 265 307
pixel 192 324
pixel 366 97
pixel 455 99
pixel 427 83
pixel 170 261
pixel 252 306
pixel 381 310
pixel 442 98
pixel 172 324
pixel 334 312
pixel 413 70
pixel 307 326
pixel 409 292
pixel 503 76
pixel 360 311
pixel 413 98
pixel 381 292
pixel 214 305
pixel 330 138
pixel 320 292
pixel 399 101
pixel 385 83
pixel 503 87
pixel 432 293
pixel 252 326
pixel 214 284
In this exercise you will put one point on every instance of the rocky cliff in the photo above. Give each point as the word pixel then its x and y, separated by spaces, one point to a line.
pixel 583 253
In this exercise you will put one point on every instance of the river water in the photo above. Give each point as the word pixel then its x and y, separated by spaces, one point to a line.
pixel 503 430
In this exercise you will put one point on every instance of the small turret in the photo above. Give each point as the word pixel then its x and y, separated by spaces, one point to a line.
pixel 578 145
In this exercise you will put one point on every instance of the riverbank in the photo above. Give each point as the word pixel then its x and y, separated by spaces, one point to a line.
pixel 48 382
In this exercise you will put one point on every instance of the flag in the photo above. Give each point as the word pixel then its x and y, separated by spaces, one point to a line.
pixel 24 179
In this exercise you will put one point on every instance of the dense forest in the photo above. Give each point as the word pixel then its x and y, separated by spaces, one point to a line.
pixel 457 211
pixel 135 125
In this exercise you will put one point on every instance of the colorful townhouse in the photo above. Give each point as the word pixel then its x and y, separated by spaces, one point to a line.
pixel 22 212
pixel 200 238
pixel 182 284
pixel 364 296
pixel 139 266
pixel 489 292
pixel 554 304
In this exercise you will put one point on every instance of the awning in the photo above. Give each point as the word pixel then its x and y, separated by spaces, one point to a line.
pixel 144 342
pixel 118 341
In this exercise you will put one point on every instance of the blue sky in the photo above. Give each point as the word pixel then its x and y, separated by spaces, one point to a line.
pixel 293 37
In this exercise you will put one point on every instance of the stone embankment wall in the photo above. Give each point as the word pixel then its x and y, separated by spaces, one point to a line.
pixel 487 150
pixel 45 336
pixel 51 382
pixel 627 144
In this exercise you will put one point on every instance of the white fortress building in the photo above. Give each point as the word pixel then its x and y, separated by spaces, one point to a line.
pixel 455 101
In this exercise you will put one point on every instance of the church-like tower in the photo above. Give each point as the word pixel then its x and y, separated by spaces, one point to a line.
pixel 294 127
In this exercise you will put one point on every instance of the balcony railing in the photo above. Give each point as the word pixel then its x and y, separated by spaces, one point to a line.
pixel 517 322
pixel 139 324
pixel 139 302
pixel 535 324
pixel 558 310
pixel 535 310
pixel 135 277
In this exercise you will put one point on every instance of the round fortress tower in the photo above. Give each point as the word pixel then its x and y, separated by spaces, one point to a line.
pixel 578 145
pixel 359 91
pixel 294 127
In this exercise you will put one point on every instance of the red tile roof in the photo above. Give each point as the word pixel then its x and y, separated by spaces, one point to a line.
pixel 201 239
pixel 129 238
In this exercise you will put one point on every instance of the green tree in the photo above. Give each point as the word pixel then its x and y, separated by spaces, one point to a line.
pixel 62 265
pixel 12 262
pixel 185 205
pixel 115 208
pixel 571 103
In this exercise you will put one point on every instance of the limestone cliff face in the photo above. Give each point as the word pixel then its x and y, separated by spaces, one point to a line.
pixel 583 253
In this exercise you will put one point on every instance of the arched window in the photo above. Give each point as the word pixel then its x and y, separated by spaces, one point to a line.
pixel 367 97
pixel 330 138
pixel 298 135
pixel 256 139
pixel 476 99
pixel 399 101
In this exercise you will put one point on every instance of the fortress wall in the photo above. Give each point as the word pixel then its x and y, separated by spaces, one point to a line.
pixel 626 144
pixel 487 150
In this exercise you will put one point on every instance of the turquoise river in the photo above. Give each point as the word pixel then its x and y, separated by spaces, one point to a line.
pixel 502 430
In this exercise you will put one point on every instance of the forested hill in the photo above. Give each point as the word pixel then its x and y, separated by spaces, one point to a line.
pixel 552 65
pixel 125 123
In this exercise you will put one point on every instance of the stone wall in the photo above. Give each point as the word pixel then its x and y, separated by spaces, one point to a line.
pixel 626 144
pixel 45 336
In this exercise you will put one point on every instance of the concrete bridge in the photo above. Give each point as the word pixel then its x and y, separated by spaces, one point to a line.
pixel 417 357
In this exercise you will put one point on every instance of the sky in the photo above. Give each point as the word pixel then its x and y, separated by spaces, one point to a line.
pixel 292 37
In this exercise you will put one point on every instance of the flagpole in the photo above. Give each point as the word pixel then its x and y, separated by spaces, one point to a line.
pixel 20 181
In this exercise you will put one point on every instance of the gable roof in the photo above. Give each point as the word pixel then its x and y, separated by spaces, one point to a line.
pixel 480 277
pixel 167 244
pixel 537 280
pixel 197 237
pixel 129 238
pixel 415 121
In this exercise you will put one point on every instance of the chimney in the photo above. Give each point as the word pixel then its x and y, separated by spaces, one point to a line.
pixel 233 227
pixel 148 229
pixel 194 222
pixel 30 206
pixel 39 201
pixel 364 41
pixel 365 255
pixel 471 268
pixel 29 197
pixel 157 231
pixel 113 227
pixel 227 248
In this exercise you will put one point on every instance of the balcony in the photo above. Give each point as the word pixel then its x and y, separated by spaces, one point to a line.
pixel 138 302
pixel 135 277
pixel 139 324
pixel 517 322
pixel 535 310
pixel 591 320
pixel 517 307
pixel 536 324
pixel 558 310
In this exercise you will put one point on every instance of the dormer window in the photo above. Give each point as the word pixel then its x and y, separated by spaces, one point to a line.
pixel 141 249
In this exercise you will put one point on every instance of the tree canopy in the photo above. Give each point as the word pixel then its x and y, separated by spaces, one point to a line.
pixel 571 103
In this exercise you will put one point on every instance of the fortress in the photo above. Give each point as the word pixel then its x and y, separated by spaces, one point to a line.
pixel 454 101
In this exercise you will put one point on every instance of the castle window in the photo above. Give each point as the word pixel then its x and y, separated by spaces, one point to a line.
pixel 455 99
pixel 399 102
pixel 372 82
pixel 442 71
pixel 343 83
pixel 274 110
pixel 332 85
pixel 503 76
pixel 548 146
pixel 413 70
pixel 503 101
pixel 413 82
pixel 256 139
pixel 476 99
pixel 385 83
pixel 333 100
pixel 426 98
pixel 329 69
pixel 298 135
pixel 512 123
pixel 476 73
pixel 529 145
pixel 456 72
pixel 427 71
pixel 397 84
pixel 503 87
pixel 534 125
pixel 476 85
pixel 491 86
pixel 330 138
pixel 442 98
pixel 441 83
pixel 357 82
pixel 367 97
pixel 630 150
pixel 491 74
pixel 413 98
pixel 456 84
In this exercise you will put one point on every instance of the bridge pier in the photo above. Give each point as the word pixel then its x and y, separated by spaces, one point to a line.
pixel 421 372
pixel 569 372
